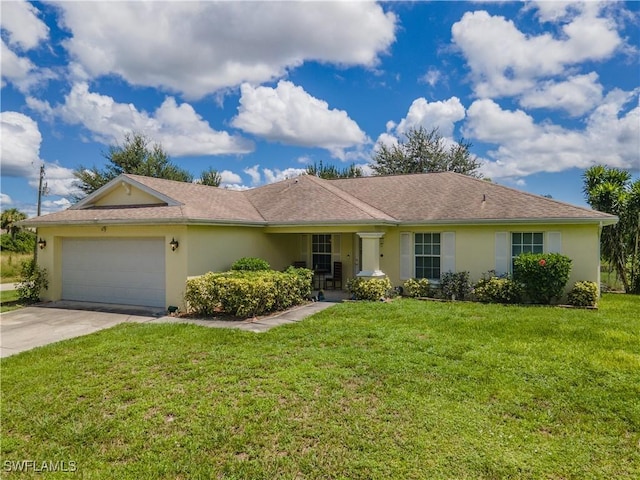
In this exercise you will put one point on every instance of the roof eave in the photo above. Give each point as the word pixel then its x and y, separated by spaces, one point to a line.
pixel 148 221
pixel 329 223
pixel 504 221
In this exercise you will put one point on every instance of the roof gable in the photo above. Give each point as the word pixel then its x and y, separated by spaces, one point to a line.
pixel 124 191
pixel 307 199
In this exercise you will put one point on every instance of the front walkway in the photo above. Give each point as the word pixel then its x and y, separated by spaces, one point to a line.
pixel 259 325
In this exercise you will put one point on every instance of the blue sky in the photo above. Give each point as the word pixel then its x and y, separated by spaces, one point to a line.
pixel 258 90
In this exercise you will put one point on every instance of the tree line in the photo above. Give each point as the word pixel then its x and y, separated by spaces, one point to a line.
pixel 420 151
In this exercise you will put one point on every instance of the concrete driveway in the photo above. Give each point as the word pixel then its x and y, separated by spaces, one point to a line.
pixel 46 323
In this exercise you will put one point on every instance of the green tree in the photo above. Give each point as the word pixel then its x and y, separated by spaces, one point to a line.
pixel 612 190
pixel 8 220
pixel 136 156
pixel 330 171
pixel 425 151
pixel 211 177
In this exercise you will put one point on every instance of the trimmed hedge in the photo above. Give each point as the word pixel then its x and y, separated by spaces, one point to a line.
pixel 369 288
pixel 250 264
pixel 247 293
pixel 583 294
pixel 492 289
pixel 417 287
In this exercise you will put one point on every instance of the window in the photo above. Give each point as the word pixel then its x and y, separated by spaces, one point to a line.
pixel 321 252
pixel 526 243
pixel 427 255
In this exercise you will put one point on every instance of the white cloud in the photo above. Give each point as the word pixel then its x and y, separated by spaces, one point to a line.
pixel 552 11
pixel 235 186
pixel 441 114
pixel 254 173
pixel 14 68
pixel 275 175
pixel 20 146
pixel 288 114
pixel 20 155
pixel 228 177
pixel 54 205
pixel 577 95
pixel 179 128
pixel 523 59
pixel 201 47
pixel 611 136
pixel 5 200
pixel 488 122
pixel 432 77
pixel 24 29
pixel 59 180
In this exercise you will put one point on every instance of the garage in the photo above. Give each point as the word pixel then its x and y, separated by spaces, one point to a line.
pixel 128 271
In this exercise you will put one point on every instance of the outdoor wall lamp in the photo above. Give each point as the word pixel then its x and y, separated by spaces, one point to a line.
pixel 42 243
pixel 174 244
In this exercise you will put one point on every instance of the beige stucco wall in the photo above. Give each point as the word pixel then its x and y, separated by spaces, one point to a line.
pixel 127 195
pixel 475 248
pixel 215 248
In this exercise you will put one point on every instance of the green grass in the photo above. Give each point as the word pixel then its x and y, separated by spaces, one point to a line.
pixel 9 300
pixel 405 389
pixel 10 264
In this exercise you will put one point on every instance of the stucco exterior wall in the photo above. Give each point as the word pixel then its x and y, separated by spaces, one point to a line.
pixel 127 195
pixel 475 248
pixel 215 248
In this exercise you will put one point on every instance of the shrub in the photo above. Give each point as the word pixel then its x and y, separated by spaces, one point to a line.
pixel 493 289
pixel 31 282
pixel 250 264
pixel 542 275
pixel 584 294
pixel 247 293
pixel 455 286
pixel 417 287
pixel 24 241
pixel 369 288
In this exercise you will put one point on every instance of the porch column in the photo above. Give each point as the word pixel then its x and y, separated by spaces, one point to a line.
pixel 370 262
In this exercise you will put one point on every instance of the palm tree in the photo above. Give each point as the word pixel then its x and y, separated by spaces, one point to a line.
pixel 8 220
pixel 610 190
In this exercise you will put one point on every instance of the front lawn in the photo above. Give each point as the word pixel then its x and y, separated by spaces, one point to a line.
pixel 405 389
pixel 9 300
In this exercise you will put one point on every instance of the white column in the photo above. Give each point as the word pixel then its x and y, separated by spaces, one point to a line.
pixel 370 261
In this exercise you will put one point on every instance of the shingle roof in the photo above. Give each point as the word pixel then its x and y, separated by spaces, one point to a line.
pixel 308 199
pixel 449 196
pixel 409 199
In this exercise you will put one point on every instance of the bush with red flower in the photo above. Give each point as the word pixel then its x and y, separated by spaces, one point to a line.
pixel 543 276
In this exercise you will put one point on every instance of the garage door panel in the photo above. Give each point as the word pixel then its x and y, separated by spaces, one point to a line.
pixel 129 271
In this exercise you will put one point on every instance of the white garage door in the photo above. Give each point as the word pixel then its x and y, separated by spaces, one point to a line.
pixel 127 271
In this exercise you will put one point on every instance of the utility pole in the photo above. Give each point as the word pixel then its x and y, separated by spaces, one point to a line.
pixel 35 248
